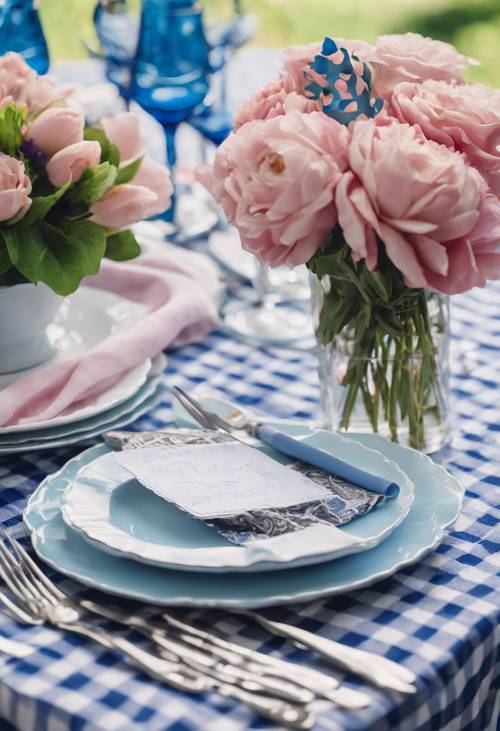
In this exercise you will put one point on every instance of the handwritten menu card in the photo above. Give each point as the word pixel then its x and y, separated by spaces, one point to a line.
pixel 218 480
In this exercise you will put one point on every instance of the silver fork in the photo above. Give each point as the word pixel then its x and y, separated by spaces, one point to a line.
pixel 377 670
pixel 43 600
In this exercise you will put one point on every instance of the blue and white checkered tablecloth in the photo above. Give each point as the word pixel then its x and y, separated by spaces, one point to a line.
pixel 440 617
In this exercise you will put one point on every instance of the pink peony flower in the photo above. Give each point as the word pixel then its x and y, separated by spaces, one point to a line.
pixel 124 205
pixel 70 162
pixel 412 57
pixel 15 187
pixel 422 200
pixel 275 99
pixel 276 179
pixel 124 131
pixel 57 128
pixel 156 178
pixel 465 117
pixel 297 58
pixel 21 84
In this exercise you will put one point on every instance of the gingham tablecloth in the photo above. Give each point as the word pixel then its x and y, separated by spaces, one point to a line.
pixel 441 617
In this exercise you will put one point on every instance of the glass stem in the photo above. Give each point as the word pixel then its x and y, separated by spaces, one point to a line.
pixel 264 290
pixel 170 134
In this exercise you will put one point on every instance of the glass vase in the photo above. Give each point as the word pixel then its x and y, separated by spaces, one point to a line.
pixel 390 380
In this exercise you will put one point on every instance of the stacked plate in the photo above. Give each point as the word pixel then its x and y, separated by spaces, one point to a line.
pixel 84 320
pixel 93 521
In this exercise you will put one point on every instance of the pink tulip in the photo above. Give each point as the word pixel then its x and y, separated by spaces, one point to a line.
pixel 432 211
pixel 465 117
pixel 124 131
pixel 412 57
pixel 156 178
pixel 69 163
pixel 275 99
pixel 124 205
pixel 275 180
pixel 57 128
pixel 15 187
pixel 21 84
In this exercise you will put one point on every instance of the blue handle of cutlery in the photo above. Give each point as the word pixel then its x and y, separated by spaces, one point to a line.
pixel 325 461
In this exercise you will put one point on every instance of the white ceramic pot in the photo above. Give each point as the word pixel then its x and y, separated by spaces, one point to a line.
pixel 26 311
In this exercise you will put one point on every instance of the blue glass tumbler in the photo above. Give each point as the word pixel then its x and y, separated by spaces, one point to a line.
pixel 21 31
pixel 170 75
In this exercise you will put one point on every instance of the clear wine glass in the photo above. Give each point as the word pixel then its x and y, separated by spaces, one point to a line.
pixel 117 30
pixel 271 320
pixel 21 31
pixel 170 78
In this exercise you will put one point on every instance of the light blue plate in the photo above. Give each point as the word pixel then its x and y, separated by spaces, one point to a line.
pixel 438 498
pixel 115 513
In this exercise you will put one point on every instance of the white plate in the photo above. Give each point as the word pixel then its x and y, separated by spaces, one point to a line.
pixel 127 416
pixel 113 511
pixel 86 319
pixel 438 499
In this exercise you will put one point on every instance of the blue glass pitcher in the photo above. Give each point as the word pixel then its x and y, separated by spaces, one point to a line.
pixel 21 31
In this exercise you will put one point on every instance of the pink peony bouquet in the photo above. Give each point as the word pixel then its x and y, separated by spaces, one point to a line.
pixel 379 168
pixel 68 191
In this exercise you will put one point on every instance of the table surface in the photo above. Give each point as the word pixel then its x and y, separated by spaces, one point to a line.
pixel 441 617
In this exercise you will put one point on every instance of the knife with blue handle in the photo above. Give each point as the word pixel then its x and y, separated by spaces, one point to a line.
pixel 293 447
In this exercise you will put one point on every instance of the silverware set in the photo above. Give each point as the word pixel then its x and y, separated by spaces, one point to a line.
pixel 188 658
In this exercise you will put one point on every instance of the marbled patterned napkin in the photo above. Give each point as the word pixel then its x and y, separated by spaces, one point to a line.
pixel 347 501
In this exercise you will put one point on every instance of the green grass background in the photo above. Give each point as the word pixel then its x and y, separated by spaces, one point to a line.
pixel 472 25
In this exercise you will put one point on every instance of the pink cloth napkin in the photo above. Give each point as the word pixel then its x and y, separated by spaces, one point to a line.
pixel 180 290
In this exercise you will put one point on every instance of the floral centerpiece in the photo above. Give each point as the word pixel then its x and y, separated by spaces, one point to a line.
pixel 379 168
pixel 68 192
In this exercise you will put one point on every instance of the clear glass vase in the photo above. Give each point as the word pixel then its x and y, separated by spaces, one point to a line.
pixel 390 381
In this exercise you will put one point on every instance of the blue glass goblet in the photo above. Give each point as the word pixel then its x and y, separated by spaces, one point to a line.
pixel 170 76
pixel 21 31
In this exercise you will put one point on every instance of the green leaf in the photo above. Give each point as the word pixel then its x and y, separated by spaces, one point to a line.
pixel 122 246
pixel 10 238
pixel 60 257
pixel 11 122
pixel 109 151
pixel 5 261
pixel 127 172
pixel 93 184
pixel 40 206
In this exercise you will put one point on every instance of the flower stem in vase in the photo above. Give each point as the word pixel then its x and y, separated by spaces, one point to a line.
pixel 389 345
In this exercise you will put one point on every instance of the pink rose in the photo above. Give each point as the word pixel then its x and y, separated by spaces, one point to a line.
pixel 412 57
pixel 21 84
pixel 15 187
pixel 297 58
pixel 156 178
pixel 420 198
pixel 124 131
pixel 123 205
pixel 70 162
pixel 57 128
pixel 275 99
pixel 276 179
pixel 465 117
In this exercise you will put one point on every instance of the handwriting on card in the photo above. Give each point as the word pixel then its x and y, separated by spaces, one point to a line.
pixel 217 480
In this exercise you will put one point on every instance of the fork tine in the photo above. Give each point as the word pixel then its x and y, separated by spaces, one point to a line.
pixel 11 578
pixel 25 580
pixel 210 419
pixel 191 408
pixel 19 613
pixel 34 569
